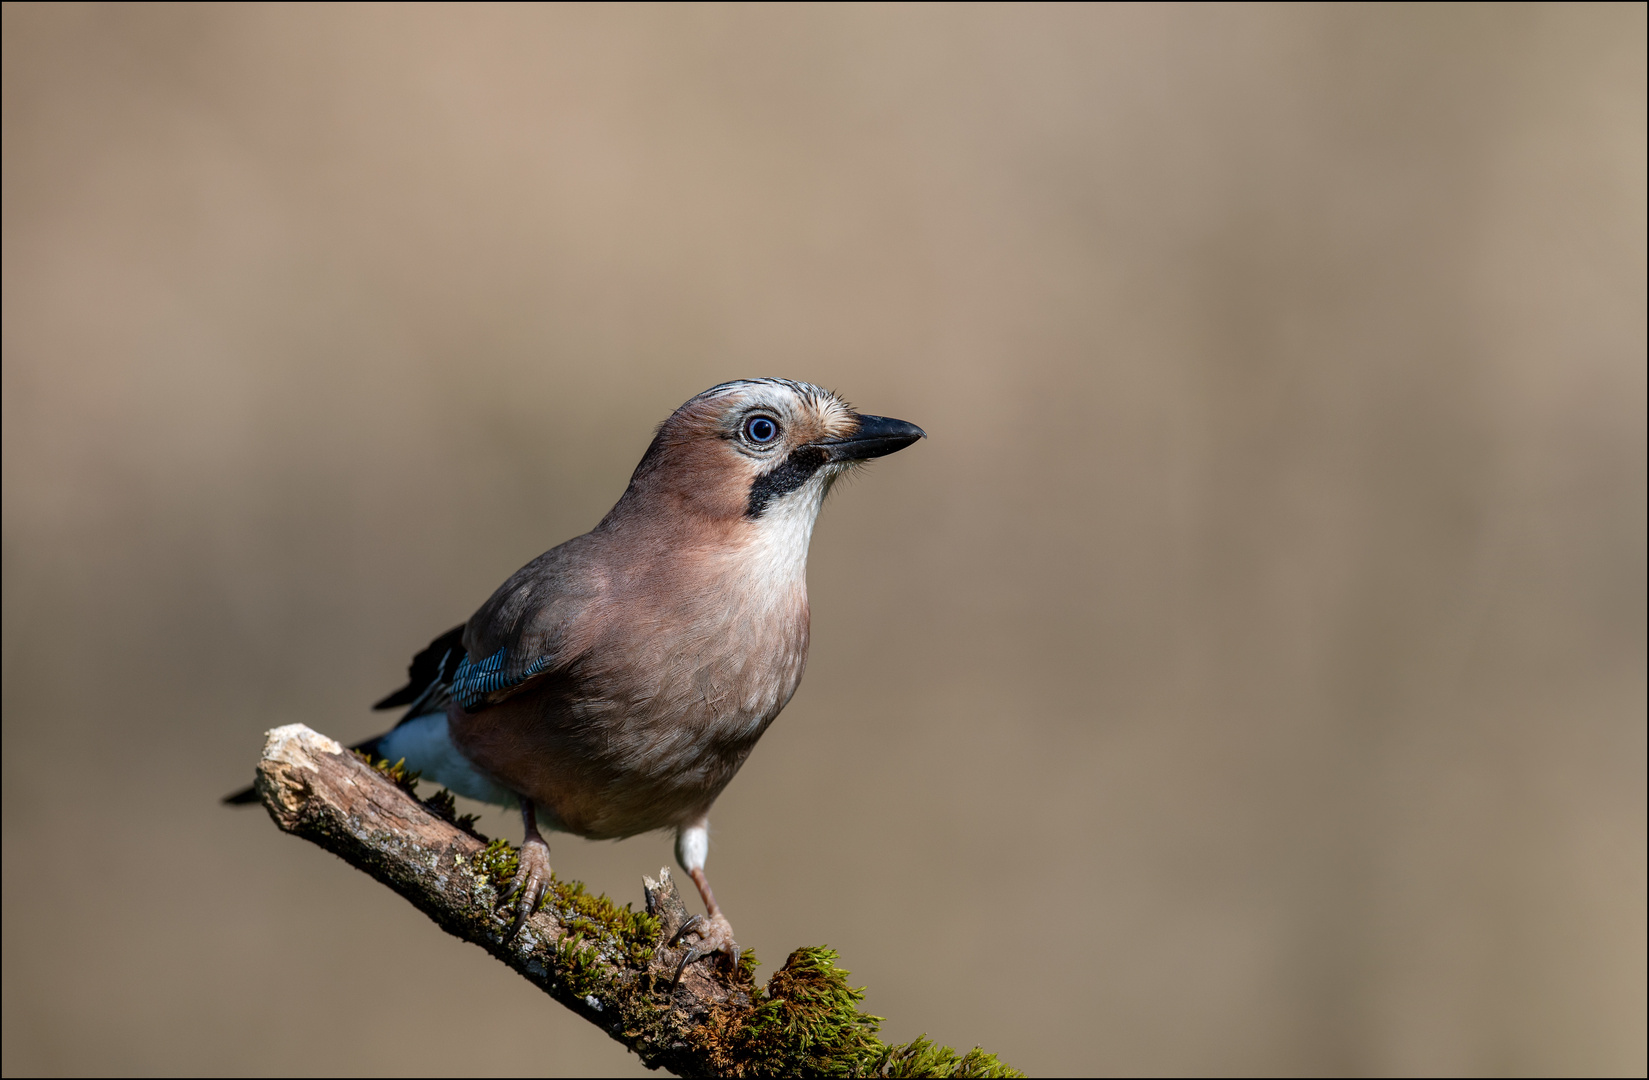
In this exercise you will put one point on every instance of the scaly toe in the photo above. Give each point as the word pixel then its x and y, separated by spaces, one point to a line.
pixel 531 881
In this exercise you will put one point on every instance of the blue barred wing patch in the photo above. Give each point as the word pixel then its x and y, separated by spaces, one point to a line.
pixel 472 683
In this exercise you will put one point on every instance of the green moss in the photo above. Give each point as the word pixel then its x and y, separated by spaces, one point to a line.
pixel 498 861
pixel 402 777
pixel 747 966
pixel 923 1057
pixel 630 933
pixel 581 970
pixel 807 1023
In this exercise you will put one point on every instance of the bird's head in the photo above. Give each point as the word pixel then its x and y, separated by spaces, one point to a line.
pixel 760 451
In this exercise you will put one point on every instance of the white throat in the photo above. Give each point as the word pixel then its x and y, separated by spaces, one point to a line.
pixel 775 559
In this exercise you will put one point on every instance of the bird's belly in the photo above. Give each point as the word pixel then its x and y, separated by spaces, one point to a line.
pixel 603 772
pixel 644 729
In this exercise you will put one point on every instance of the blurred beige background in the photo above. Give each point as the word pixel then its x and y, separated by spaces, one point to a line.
pixel 1247 677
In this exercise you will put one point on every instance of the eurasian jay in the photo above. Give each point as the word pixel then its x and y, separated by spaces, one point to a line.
pixel 614 685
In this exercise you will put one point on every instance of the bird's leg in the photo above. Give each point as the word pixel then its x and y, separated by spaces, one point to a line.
pixel 532 877
pixel 712 931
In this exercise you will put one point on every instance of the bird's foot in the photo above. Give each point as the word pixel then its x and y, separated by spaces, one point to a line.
pixel 711 934
pixel 531 880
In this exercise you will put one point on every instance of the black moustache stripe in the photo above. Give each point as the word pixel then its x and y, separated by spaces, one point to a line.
pixel 790 474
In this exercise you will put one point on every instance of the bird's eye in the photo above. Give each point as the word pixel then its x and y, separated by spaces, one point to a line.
pixel 761 429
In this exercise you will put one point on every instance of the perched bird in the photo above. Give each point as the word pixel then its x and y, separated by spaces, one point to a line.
pixel 614 685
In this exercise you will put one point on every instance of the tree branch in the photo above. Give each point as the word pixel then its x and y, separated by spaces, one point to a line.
pixel 609 964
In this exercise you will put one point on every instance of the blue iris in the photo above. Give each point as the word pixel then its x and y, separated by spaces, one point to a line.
pixel 759 429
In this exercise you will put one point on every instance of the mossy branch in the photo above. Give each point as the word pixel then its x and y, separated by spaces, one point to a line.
pixel 609 964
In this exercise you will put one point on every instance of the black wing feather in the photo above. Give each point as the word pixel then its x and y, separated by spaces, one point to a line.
pixel 436 664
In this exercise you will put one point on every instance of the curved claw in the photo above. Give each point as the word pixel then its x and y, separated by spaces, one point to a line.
pixel 686 928
pixel 714 935
pixel 686 958
pixel 531 881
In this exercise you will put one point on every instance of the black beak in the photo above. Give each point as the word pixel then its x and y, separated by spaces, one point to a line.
pixel 877 436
